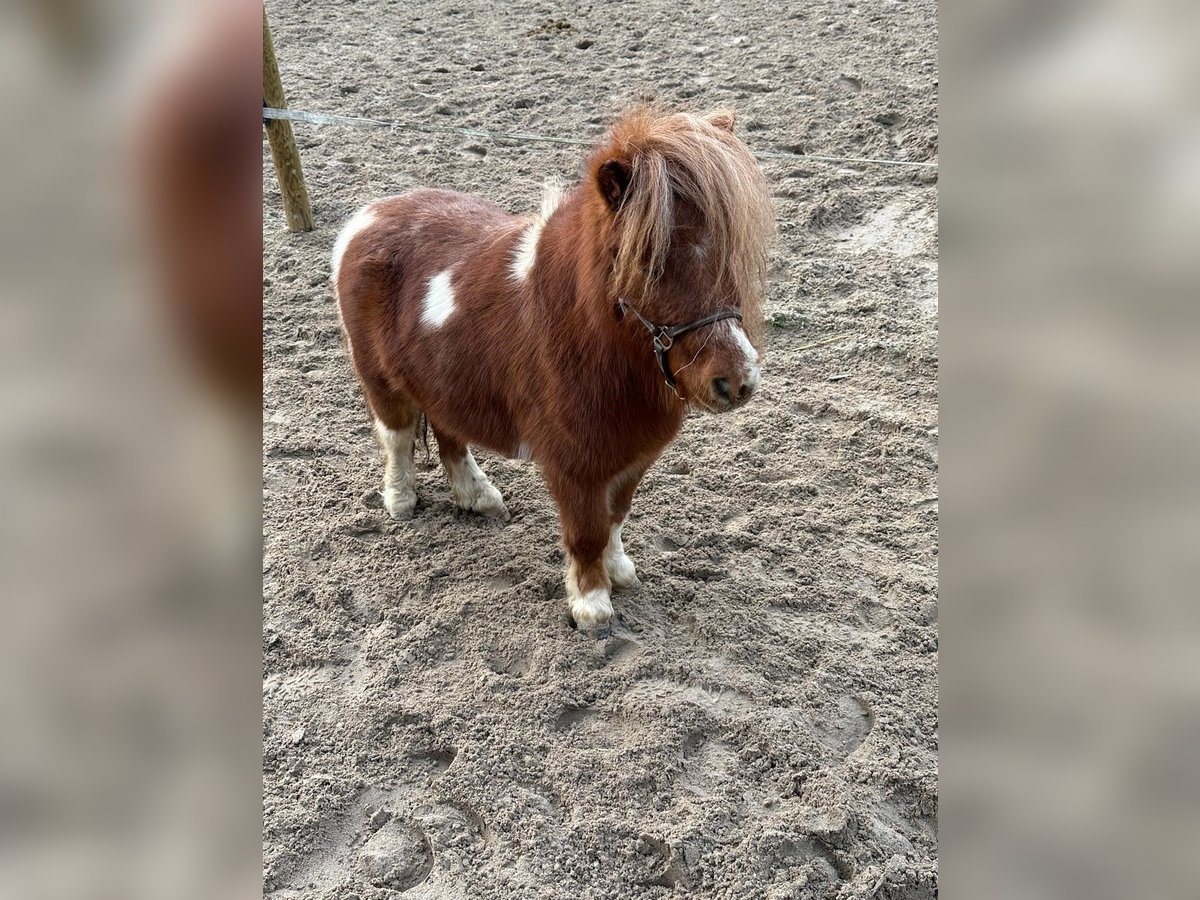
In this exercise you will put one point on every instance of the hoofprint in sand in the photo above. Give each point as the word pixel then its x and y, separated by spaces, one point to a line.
pixel 763 720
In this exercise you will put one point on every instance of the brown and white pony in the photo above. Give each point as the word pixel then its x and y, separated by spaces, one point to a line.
pixel 577 338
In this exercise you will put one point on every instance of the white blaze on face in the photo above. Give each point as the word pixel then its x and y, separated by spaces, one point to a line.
pixel 439 300
pixel 362 220
pixel 750 355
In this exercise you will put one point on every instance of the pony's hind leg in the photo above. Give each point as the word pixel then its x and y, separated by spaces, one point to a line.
pixel 396 427
pixel 468 485
pixel 399 475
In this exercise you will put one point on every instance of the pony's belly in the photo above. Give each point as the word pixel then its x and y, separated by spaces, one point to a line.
pixel 480 422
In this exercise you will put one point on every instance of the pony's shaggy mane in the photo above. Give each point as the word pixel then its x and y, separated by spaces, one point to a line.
pixel 683 156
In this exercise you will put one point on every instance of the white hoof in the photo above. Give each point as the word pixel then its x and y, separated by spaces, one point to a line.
pixel 399 504
pixel 472 491
pixel 621 571
pixel 620 568
pixel 480 497
pixel 591 609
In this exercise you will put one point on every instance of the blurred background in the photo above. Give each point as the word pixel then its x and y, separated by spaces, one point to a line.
pixel 1070 675
pixel 130 302
pixel 130 310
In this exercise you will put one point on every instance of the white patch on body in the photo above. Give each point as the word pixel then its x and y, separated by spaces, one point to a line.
pixel 526 253
pixel 361 220
pixel 526 249
pixel 524 451
pixel 698 251
pixel 439 300
pixel 471 489
pixel 399 476
pixel 617 563
pixel 751 373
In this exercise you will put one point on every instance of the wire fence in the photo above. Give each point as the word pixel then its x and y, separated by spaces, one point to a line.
pixel 521 137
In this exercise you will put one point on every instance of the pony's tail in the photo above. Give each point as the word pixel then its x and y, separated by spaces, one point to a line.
pixel 424 423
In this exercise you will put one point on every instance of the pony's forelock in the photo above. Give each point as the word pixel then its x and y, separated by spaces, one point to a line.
pixel 674 157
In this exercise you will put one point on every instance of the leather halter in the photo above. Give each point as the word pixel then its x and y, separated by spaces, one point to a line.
pixel 664 335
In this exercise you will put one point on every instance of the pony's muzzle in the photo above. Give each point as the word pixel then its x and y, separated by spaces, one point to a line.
pixel 732 391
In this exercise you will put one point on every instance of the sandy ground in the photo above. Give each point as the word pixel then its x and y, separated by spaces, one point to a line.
pixel 764 720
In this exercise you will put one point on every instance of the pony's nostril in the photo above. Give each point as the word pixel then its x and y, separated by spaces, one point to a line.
pixel 721 388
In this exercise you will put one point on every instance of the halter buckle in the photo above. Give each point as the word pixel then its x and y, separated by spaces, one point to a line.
pixel 664 336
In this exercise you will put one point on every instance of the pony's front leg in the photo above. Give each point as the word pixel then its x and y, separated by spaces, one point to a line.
pixel 584 511
pixel 620 498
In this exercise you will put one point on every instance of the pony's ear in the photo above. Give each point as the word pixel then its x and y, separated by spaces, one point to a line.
pixel 723 119
pixel 613 180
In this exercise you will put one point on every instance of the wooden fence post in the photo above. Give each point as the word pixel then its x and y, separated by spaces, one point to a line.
pixel 283 143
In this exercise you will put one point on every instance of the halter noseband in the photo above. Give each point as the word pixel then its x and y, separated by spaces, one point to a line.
pixel 664 335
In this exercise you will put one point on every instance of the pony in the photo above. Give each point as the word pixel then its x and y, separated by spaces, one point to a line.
pixel 579 337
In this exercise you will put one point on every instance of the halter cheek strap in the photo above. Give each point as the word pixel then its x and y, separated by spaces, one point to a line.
pixel 664 335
